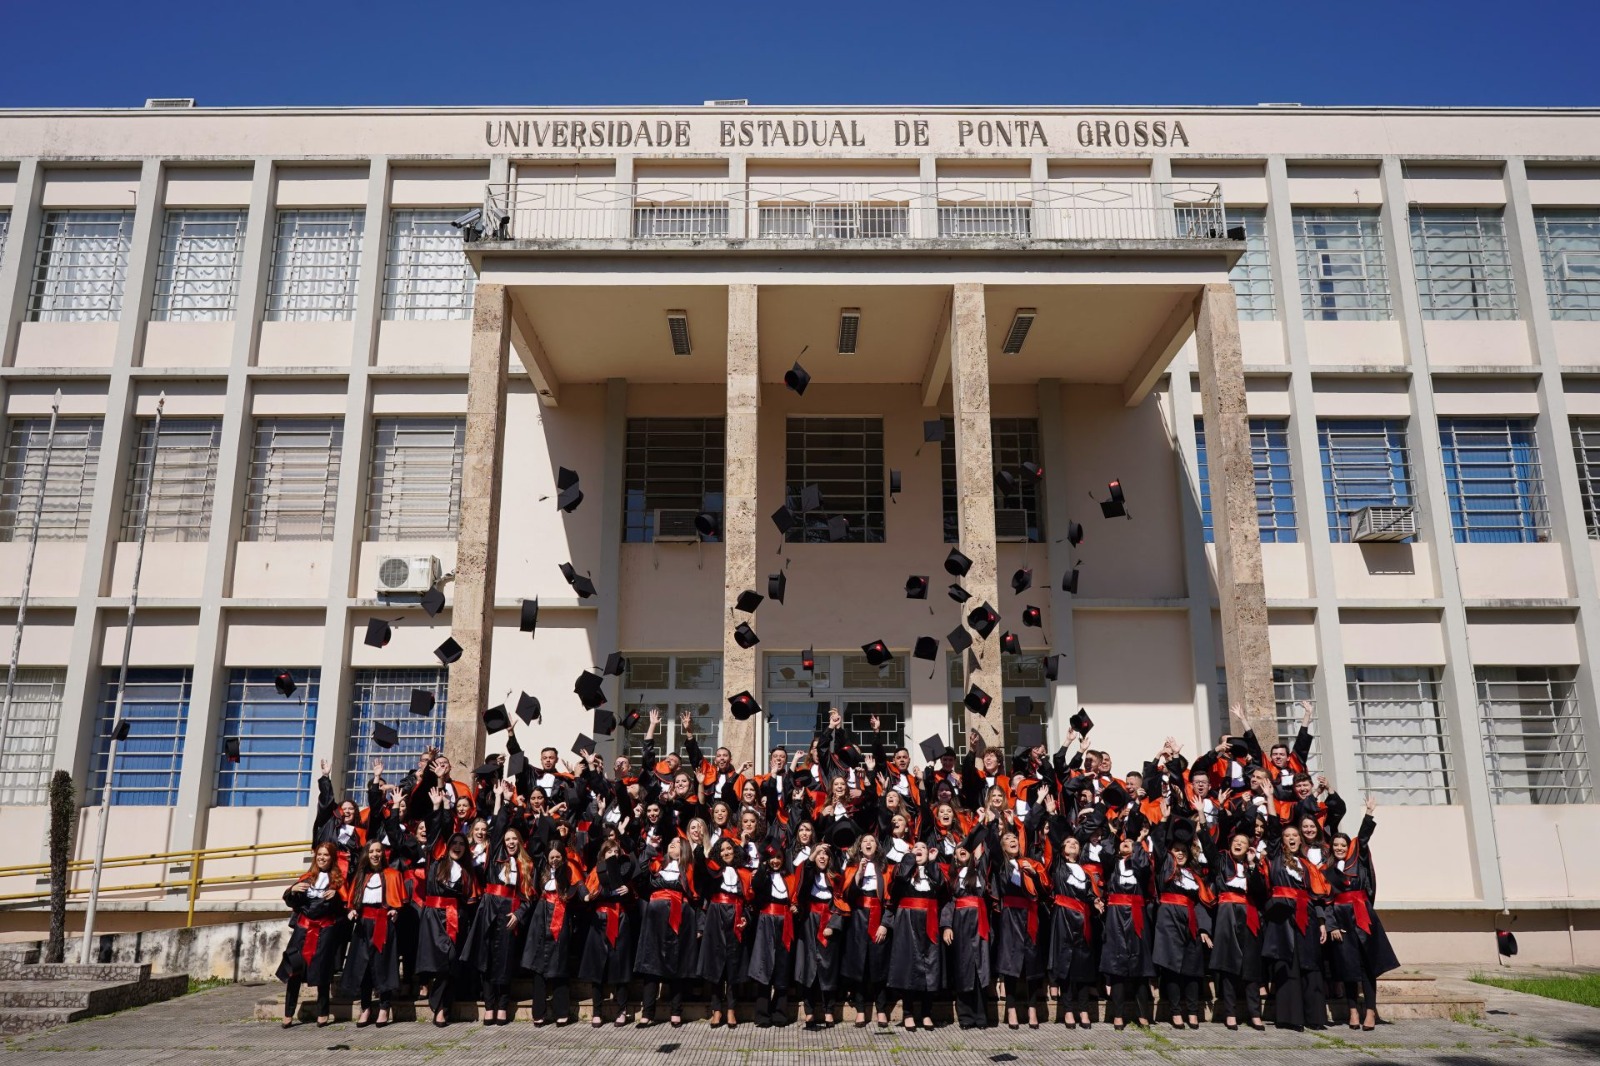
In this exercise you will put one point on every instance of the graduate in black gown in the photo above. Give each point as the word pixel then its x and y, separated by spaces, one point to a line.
pixel 916 970
pixel 546 949
pixel 1074 949
pixel 667 932
pixel 968 937
pixel 1294 928
pixel 723 882
pixel 449 885
pixel 1239 879
pixel 374 894
pixel 1358 948
pixel 773 894
pixel 317 929
pixel 864 967
pixel 1125 956
pixel 606 961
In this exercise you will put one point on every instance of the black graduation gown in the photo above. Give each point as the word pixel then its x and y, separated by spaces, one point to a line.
pixel 605 960
pixel 916 961
pixel 864 961
pixel 438 949
pixel 967 915
pixel 1125 954
pixel 1176 945
pixel 771 959
pixel 721 951
pixel 546 947
pixel 665 953
pixel 1074 958
pixel 1017 949
pixel 1235 949
pixel 365 958
pixel 817 959
pixel 494 945
pixel 1282 940
pixel 1361 953
pixel 314 967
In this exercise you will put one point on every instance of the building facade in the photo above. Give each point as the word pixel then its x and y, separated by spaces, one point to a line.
pixel 1344 364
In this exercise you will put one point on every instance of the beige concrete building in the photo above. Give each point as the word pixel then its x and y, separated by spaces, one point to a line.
pixel 1345 364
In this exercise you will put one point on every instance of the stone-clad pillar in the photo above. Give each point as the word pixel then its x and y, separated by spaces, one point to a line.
pixel 1240 584
pixel 969 386
pixel 478 542
pixel 740 670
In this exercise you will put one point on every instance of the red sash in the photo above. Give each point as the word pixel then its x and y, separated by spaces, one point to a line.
pixel 313 928
pixel 1357 900
pixel 612 909
pixel 782 910
pixel 503 891
pixel 674 899
pixel 1135 904
pixel 930 908
pixel 558 912
pixel 379 917
pixel 979 904
pixel 1073 903
pixel 450 906
pixel 1023 903
pixel 1302 904
pixel 1252 917
pixel 1178 899
pixel 873 905
pixel 736 902
pixel 823 910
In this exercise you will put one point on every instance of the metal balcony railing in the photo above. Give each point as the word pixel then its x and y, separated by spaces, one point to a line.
pixel 975 211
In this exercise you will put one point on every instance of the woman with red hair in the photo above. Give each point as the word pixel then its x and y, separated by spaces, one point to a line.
pixel 317 928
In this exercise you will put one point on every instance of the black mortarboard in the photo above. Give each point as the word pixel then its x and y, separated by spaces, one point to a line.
pixel 838 527
pixel 1029 734
pixel 605 723
pixel 877 653
pixel 742 706
pixel 1505 942
pixel 960 640
pixel 797 378
pixel 744 636
pixel 1022 580
pixel 1006 482
pixel 777 585
pixel 956 563
pixel 491 767
pixel 1069 581
pixel 516 764
pixel 385 736
pixel 1032 616
pixel 784 519
pixel 378 633
pixel 590 691
pixel 983 619
pixel 422 701
pixel 959 594
pixel 916 587
pixel 230 749
pixel 616 663
pixel 1033 470
pixel 432 601
pixel 1010 644
pixel 927 648
pixel 119 732
pixel 811 498
pixel 568 571
pixel 843 834
pixel 530 615
pixel 1023 705
pixel 1074 533
pixel 1116 506
pixel 933 431
pixel 808 660
pixel 977 700
pixel 1052 667
pixel 448 652
pixel 748 601
pixel 528 708
pixel 894 482
pixel 1182 832
pixel 565 478
pixel 568 499
pixel 933 748
pixel 707 524
pixel 495 719
pixel 584 745
pixel 284 683
pixel 630 718
pixel 1238 748
pixel 1114 795
pixel 1081 722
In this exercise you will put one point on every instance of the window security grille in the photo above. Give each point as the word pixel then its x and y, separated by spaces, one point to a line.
pixel 180 470
pixel 5 229
pixel 1252 274
pixel 1290 685
pixel 149 762
pixel 385 696
pixel 1586 448
pixel 1493 478
pixel 1269 457
pixel 1462 263
pixel 802 221
pixel 294 479
pixel 314 261
pixel 986 220
pixel 427 275
pixel 275 735
pixel 28 736
pixel 69 492
pixel 675 684
pixel 1364 464
pixel 414 492
pixel 1342 273
pixel 1533 738
pixel 197 274
pixel 844 458
pixel 1569 248
pixel 82 266
pixel 1014 442
pixel 1402 747
pixel 671 464
pixel 680 221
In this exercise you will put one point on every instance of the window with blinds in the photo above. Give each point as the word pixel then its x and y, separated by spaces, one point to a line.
pixel 1533 737
pixel 1364 464
pixel 28 720
pixel 1343 276
pixel 385 696
pixel 275 735
pixel 1402 744
pixel 155 704
pixel 294 479
pixel 177 470
pixel 53 477
pixel 843 457
pixel 1252 274
pixel 1494 480
pixel 315 257
pixel 414 491
pixel 1569 248
pixel 1462 262
pixel 197 272
pixel 82 266
pixel 670 464
pixel 427 275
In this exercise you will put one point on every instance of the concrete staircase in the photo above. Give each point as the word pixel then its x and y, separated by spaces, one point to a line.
pixel 37 996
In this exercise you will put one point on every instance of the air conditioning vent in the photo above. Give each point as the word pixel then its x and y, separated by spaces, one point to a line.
pixel 675 525
pixel 1011 524
pixel 1374 524
pixel 407 573
pixel 160 102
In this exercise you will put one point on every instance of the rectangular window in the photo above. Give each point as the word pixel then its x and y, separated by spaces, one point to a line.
pixel 275 735
pixel 1402 748
pixel 315 257
pixel 842 457
pixel 155 704
pixel 672 464
pixel 414 492
pixel 294 479
pixel 1586 448
pixel 833 221
pixel 1203 471
pixel 178 469
pixel 197 275
pixel 1364 464
pixel 996 219
pixel 1290 685
pixel 1018 516
pixel 55 477
pixel 28 736
pixel 5 229
pixel 1462 263
pixel 427 275
pixel 1020 675
pixel 677 684
pixel 1342 273
pixel 82 266
pixel 680 221
pixel 1252 274
pixel 1492 475
pixel 385 696
pixel 1533 738
pixel 1569 248
pixel 1269 458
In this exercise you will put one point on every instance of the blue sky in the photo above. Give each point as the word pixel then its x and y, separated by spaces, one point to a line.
pixel 1421 52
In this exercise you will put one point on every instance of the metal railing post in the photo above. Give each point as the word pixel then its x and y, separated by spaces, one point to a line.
pixel 196 858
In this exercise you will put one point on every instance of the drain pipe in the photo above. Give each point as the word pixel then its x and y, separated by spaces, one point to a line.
pixel 27 573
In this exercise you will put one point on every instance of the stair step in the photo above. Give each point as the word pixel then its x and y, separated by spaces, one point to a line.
pixel 79 995
pixel 12 969
pixel 18 1020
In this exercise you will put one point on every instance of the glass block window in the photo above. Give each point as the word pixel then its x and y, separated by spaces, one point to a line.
pixel 177 468
pixel 275 735
pixel 1269 456
pixel 315 258
pixel 1342 273
pixel 82 266
pixel 844 458
pixel 1252 274
pixel 155 704
pixel 1402 746
pixel 62 494
pixel 672 464
pixel 1494 481
pixel 1020 675
pixel 294 479
pixel 385 696
pixel 1586 449
pixel 414 492
pixel 676 684
pixel 1364 464
pixel 197 272
pixel 28 735
pixel 1533 738
pixel 1290 685
pixel 1462 262
pixel 1018 516
pixel 1569 248
pixel 427 275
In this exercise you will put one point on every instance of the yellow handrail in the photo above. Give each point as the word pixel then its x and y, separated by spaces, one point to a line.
pixel 232 852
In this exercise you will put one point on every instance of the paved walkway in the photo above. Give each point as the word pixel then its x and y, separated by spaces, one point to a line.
pixel 216 1027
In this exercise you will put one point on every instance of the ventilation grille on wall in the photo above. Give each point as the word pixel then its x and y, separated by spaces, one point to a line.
pixel 169 101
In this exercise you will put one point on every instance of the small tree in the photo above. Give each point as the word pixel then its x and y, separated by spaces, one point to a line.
pixel 63 816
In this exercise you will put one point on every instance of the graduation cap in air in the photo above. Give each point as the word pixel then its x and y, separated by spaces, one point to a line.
pixel 384 736
pixel 894 483
pixel 584 745
pixel 1116 506
pixel 744 636
pixel 707 524
pixel 422 701
pixel 568 495
pixel 956 563
pixel 742 706
pixel 811 498
pixel 119 732
pixel 748 601
pixel 1081 722
pixel 630 718
pixel 1052 667
pixel 1505 942
pixel 977 701
pixel 1022 705
pixel 1069 581
pixel 797 378
pixel 983 619
pixel 1114 795
pixel 1032 617
pixel 933 748
pixel 580 582
pixel 230 749
pixel 284 683
pixel 490 767
pixel 529 620
pixel 448 652
pixel 1022 580
pixel 785 520
pixel 1034 471
pixel 932 432
pixel 605 723
pixel 495 719
pixel 808 660
pixel 960 640
pixel 877 653
pixel 616 663
pixel 378 633
pixel 1006 482
pixel 432 601
pixel 916 587
pixel 926 648
pixel 1074 533
pixel 516 764
pixel 1010 644
pixel 528 708
pixel 1029 734
pixel 777 585
pixel 1238 748
pixel 1182 832
pixel 838 527
pixel 959 594
pixel 588 686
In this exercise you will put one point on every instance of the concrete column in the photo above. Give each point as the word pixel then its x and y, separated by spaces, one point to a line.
pixel 1242 589
pixel 969 386
pixel 478 543
pixel 740 669
pixel 1057 516
pixel 1197 574
pixel 608 618
pixel 16 262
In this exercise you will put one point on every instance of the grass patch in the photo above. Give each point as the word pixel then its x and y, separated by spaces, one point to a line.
pixel 1583 989
pixel 206 984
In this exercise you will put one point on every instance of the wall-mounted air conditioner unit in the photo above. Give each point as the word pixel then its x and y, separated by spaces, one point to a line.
pixel 1373 524
pixel 1011 524
pixel 407 573
pixel 675 525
